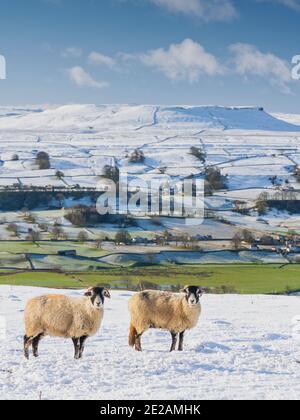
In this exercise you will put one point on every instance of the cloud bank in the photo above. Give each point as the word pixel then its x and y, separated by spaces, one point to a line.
pixel 185 61
pixel 249 61
pixel 83 79
pixel 71 52
pixel 188 61
pixel 101 59
pixel 207 10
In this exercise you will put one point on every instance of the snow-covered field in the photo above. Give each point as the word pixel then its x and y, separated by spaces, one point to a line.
pixel 243 348
pixel 248 145
pixel 82 139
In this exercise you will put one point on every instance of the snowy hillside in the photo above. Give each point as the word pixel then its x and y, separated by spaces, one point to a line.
pixel 289 118
pixel 254 150
pixel 242 348
pixel 85 118
pixel 82 139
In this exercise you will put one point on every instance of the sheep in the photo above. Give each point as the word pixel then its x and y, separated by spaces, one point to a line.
pixel 63 316
pixel 163 310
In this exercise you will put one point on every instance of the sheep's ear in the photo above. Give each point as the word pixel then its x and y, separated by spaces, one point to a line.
pixel 106 293
pixel 89 292
pixel 200 291
pixel 184 290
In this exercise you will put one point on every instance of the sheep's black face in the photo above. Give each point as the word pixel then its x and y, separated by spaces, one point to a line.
pixel 192 295
pixel 97 296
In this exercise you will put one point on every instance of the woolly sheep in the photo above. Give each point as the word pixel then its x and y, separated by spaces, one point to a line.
pixel 168 311
pixel 63 316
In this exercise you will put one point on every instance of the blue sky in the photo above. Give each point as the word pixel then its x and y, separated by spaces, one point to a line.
pixel 150 51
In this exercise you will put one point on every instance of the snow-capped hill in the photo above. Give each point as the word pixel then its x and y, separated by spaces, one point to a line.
pixel 228 118
pixel 81 118
pixel 6 111
pixel 92 118
pixel 289 118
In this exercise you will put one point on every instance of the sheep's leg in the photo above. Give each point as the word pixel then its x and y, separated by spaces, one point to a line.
pixel 174 341
pixel 35 344
pixel 82 342
pixel 27 344
pixel 76 342
pixel 138 344
pixel 181 337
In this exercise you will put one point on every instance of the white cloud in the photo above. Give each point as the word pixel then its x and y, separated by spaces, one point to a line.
pixel 292 4
pixel 83 79
pixel 72 52
pixel 126 57
pixel 208 10
pixel 101 59
pixel 248 60
pixel 185 61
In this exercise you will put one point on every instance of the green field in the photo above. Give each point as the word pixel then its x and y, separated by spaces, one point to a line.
pixel 48 247
pixel 245 279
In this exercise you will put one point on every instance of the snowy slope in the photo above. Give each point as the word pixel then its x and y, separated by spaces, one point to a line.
pixel 242 348
pixel 9 112
pixel 247 144
pixel 84 118
pixel 289 118
pixel 227 118
pixel 81 118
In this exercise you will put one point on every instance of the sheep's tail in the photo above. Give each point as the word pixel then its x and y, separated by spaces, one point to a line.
pixel 132 335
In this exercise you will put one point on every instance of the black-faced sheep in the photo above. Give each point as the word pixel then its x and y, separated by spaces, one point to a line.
pixel 63 316
pixel 168 311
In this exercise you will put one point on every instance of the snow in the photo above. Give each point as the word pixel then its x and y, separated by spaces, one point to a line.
pixel 226 118
pixel 82 139
pixel 247 144
pixel 243 348
pixel 290 118
pixel 92 118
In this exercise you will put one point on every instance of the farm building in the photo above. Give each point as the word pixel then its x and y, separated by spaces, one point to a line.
pixel 67 253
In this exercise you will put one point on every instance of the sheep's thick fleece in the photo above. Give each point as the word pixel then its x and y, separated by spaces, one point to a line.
pixel 62 316
pixel 164 310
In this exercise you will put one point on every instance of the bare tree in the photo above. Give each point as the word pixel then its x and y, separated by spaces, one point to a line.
pixel 13 228
pixel 58 233
pixel 248 236
pixel 199 153
pixel 237 241
pixel 33 236
pixel 123 237
pixel 262 203
pixel 82 236
pixel 137 156
pixel 297 173
pixel 43 160
pixel 59 174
